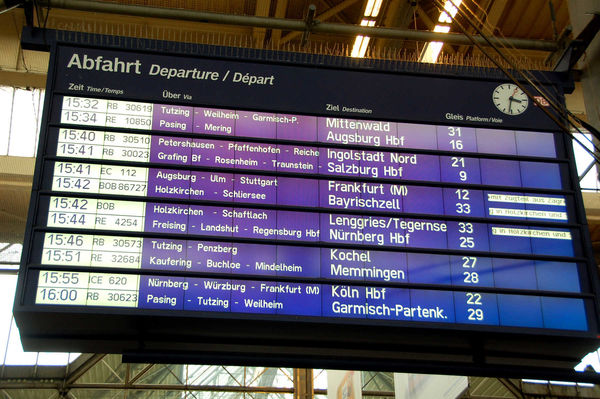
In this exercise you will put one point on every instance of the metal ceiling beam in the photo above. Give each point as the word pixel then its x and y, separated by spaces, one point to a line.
pixel 280 11
pixel 326 15
pixel 431 25
pixel 50 385
pixel 47 385
pixel 293 25
pixel 337 16
pixel 495 13
pixel 262 10
pixel 84 368
pixel 399 14
pixel 512 388
pixel 139 375
pixel 489 12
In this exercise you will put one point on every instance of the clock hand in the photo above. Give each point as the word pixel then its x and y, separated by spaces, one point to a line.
pixel 510 101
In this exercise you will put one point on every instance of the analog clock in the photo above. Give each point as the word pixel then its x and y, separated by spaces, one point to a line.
pixel 510 99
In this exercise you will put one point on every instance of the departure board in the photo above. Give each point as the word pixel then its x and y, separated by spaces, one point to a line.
pixel 193 190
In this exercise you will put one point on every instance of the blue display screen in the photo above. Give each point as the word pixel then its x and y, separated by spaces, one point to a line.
pixel 302 228
pixel 201 206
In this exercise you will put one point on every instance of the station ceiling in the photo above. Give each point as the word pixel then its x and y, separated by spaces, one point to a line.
pixel 537 22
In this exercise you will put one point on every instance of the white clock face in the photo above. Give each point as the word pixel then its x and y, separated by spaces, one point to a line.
pixel 511 100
